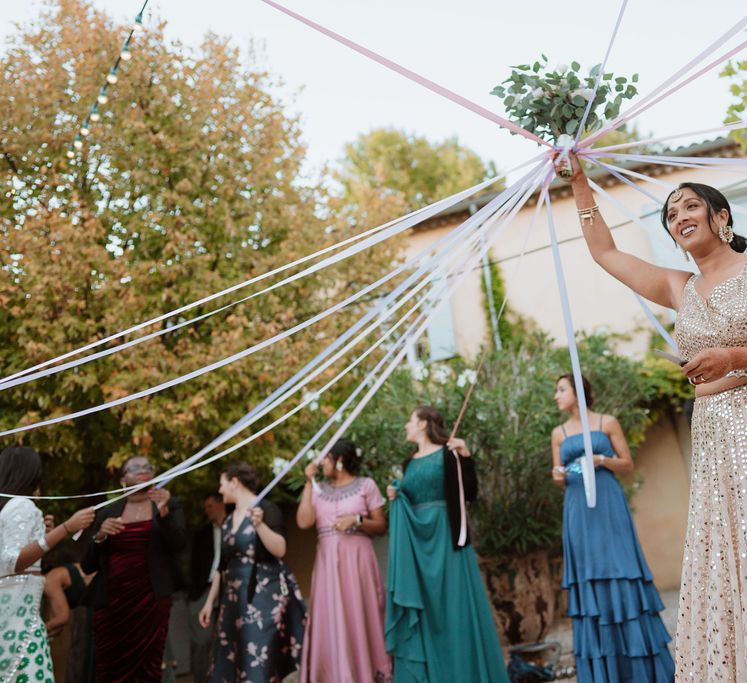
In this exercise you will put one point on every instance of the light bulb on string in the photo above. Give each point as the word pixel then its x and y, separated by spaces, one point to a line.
pixel 95 116
pixel 111 77
pixel 71 152
pixel 102 98
pixel 78 143
pixel 85 128
pixel 126 55
pixel 138 25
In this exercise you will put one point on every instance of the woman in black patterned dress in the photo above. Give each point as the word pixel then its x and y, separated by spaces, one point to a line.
pixel 261 618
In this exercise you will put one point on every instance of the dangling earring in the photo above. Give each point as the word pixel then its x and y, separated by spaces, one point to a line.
pixel 338 465
pixel 726 233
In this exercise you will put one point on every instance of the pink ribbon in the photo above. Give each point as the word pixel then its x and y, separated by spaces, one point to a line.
pixel 407 73
pixel 462 541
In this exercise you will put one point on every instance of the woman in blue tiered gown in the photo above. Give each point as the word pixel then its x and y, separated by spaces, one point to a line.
pixel 618 636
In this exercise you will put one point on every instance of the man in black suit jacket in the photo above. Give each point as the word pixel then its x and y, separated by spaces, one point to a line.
pixel 204 559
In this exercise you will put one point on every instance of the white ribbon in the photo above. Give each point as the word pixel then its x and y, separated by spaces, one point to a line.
pixel 646 141
pixel 587 461
pixel 600 73
pixel 217 364
pixel 369 239
pixel 505 222
pixel 643 104
pixel 504 200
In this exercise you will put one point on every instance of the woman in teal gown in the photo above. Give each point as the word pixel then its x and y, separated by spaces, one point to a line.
pixel 439 625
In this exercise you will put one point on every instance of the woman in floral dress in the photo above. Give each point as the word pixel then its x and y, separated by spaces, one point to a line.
pixel 261 618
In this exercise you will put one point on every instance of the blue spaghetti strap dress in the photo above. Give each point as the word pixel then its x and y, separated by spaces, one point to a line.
pixel 618 635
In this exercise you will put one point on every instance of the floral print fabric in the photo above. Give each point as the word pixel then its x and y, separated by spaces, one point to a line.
pixel 261 618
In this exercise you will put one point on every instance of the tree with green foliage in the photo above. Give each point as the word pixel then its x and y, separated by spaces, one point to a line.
pixel 189 183
pixel 409 168
pixel 736 72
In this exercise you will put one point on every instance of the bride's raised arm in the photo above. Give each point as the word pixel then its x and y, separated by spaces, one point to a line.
pixel 661 285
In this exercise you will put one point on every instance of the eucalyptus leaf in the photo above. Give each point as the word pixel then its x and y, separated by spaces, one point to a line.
pixel 549 103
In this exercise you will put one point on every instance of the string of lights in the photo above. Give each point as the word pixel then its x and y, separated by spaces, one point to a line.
pixel 94 113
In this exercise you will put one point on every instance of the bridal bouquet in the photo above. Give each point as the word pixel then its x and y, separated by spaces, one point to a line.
pixel 551 102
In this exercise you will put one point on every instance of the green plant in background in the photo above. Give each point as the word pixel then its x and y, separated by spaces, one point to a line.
pixel 736 71
pixel 510 325
pixel 508 424
pixel 552 103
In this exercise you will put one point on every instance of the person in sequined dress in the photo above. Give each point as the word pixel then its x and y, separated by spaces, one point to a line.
pixel 711 332
pixel 25 535
pixel 618 635
pixel 344 639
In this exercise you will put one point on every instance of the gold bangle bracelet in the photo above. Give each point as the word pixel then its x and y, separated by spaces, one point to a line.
pixel 588 214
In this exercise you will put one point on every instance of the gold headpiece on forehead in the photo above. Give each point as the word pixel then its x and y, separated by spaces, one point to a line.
pixel 676 195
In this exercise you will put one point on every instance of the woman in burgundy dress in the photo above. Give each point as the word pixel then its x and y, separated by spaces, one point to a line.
pixel 133 550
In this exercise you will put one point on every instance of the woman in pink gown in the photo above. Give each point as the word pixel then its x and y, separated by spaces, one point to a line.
pixel 344 638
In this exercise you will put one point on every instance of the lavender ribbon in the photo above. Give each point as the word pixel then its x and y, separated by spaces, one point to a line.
pixel 641 106
pixel 598 80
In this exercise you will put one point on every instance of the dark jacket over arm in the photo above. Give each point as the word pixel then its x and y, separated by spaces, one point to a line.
pixel 451 490
pixel 202 554
pixel 167 538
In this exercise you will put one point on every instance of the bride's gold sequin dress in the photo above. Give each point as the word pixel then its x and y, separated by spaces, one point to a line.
pixel 711 643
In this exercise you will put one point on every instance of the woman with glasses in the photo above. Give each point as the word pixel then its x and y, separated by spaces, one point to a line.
pixel 133 551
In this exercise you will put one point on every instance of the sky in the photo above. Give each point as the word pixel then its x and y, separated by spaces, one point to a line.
pixel 467 46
